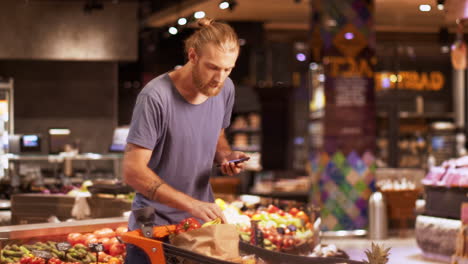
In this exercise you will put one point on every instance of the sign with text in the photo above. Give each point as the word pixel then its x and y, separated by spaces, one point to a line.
pixel 410 80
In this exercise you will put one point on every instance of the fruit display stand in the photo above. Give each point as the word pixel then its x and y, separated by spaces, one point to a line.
pixel 46 234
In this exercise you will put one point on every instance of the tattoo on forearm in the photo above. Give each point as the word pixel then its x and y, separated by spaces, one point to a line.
pixel 152 190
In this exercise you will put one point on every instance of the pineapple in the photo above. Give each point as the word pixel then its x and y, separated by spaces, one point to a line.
pixel 378 255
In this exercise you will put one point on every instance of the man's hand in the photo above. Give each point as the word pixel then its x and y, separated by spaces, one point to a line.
pixel 206 211
pixel 231 168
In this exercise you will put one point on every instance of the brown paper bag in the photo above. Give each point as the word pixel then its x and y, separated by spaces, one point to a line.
pixel 218 241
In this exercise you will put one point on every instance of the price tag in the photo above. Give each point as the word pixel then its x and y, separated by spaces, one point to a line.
pixel 63 246
pixel 42 254
pixel 96 247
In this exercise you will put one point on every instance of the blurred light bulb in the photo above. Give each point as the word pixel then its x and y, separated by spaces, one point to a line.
pixel 173 30
pixel 199 14
pixel 348 35
pixel 313 66
pixel 224 5
pixel 424 8
pixel 182 21
pixel 301 57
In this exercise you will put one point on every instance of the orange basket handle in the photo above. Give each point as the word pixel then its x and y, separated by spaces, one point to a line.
pixel 152 247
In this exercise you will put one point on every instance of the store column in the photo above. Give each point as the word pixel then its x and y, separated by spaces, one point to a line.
pixel 345 164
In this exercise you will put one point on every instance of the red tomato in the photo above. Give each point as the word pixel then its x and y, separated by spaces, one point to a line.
pixel 281 212
pixel 103 257
pixel 106 242
pixel 117 249
pixel 91 240
pixel 114 240
pixel 25 260
pixel 74 238
pixel 88 235
pixel 187 225
pixel 293 211
pixel 272 209
pixel 54 261
pixel 104 232
pixel 120 230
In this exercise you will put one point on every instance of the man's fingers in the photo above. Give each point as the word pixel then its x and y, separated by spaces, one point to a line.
pixel 220 214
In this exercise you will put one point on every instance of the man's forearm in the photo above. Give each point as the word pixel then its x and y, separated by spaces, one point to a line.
pixel 149 184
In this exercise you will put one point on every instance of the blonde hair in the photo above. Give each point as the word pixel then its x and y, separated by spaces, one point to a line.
pixel 220 34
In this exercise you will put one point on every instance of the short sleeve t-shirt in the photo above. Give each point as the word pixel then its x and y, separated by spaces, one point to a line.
pixel 183 138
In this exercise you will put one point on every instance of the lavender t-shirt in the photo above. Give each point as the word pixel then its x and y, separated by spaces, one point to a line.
pixel 183 138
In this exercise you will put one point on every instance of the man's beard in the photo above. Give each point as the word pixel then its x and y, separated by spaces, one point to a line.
pixel 204 88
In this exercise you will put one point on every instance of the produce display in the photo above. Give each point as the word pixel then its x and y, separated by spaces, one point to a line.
pixel 101 246
pixel 269 226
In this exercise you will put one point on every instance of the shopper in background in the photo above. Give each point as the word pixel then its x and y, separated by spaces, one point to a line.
pixel 177 133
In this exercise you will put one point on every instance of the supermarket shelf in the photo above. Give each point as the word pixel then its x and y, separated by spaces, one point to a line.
pixel 433 115
pixel 252 148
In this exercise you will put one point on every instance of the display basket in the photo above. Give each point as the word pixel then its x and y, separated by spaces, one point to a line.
pixel 160 252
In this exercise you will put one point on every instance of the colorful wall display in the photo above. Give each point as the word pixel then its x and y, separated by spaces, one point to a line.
pixel 345 165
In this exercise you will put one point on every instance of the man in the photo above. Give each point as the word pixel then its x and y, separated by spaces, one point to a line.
pixel 177 132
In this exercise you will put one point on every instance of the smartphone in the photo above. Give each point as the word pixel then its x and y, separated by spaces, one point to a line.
pixel 236 161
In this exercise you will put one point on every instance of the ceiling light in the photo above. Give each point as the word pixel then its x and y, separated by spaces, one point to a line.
pixel 173 30
pixel 424 8
pixel 440 4
pixel 301 57
pixel 182 21
pixel 313 66
pixel 199 14
pixel 348 35
pixel 224 5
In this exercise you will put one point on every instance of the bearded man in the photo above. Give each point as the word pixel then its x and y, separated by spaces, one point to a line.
pixel 177 133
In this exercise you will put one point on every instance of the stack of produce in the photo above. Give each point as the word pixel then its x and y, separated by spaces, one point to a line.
pixel 77 249
pixel 280 230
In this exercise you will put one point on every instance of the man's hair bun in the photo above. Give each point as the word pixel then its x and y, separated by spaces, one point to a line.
pixel 205 22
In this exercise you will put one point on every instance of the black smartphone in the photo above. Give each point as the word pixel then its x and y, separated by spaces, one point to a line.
pixel 236 161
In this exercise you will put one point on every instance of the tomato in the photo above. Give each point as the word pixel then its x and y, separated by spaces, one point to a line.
pixel 281 212
pixel 54 261
pixel 303 216
pixel 293 211
pixel 91 240
pixel 25 260
pixel 187 225
pixel 272 209
pixel 117 249
pixel 114 240
pixel 87 235
pixel 103 257
pixel 120 230
pixel 104 232
pixel 74 238
pixel 106 242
